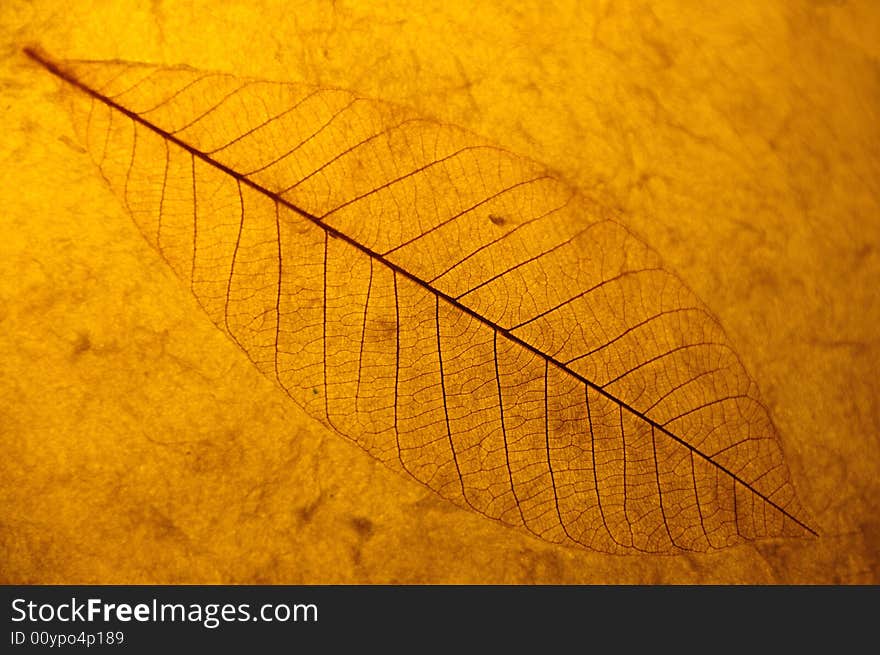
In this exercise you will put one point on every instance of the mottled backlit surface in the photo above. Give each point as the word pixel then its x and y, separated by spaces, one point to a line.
pixel 139 445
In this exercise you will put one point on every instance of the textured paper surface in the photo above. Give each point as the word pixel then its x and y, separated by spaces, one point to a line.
pixel 140 446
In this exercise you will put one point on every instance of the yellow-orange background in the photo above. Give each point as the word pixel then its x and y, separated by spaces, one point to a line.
pixel 137 444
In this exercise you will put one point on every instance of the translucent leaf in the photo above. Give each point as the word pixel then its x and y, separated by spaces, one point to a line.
pixel 453 308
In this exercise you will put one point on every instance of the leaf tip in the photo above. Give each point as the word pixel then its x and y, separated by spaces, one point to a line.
pixel 36 52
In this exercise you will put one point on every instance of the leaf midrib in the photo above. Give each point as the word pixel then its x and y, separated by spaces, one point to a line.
pixel 59 72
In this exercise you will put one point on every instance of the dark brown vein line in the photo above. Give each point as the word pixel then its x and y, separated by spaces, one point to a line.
pixel 715 401
pixel 596 467
pixel 192 273
pixel 401 178
pixel 269 121
pixel 764 515
pixel 729 447
pixel 736 512
pixel 134 141
pixel 278 294
pixel 625 494
pixel 681 386
pixel 214 107
pixel 687 346
pixel 301 143
pixel 504 429
pixel 174 95
pixel 445 404
pixel 232 268
pixel 349 150
pixel 324 328
pixel 121 72
pixel 56 70
pixel 559 245
pixel 547 450
pixel 130 88
pixel 89 125
pixel 462 213
pixel 106 137
pixel 581 295
pixel 660 489
pixel 697 500
pixel 363 334
pixel 501 238
pixel 162 199
pixel 397 370
pixel 752 514
pixel 637 326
